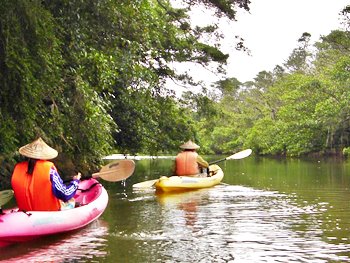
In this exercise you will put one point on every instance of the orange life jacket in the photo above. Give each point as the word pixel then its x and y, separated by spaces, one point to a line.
pixel 186 163
pixel 34 192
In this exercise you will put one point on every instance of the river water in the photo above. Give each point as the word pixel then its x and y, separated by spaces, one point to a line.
pixel 264 211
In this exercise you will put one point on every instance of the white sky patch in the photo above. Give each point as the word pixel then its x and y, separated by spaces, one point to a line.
pixel 270 30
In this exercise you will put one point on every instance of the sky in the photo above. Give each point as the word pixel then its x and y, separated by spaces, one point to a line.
pixel 270 29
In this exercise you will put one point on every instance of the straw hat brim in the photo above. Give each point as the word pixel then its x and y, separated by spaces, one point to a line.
pixel 38 150
pixel 190 146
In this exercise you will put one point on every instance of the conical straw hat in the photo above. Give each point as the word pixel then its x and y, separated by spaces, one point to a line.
pixel 38 150
pixel 190 146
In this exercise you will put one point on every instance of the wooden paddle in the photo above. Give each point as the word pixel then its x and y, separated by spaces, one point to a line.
pixel 236 156
pixel 116 171
pixel 113 172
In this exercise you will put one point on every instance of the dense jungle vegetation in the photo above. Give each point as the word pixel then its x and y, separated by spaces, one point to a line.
pixel 89 77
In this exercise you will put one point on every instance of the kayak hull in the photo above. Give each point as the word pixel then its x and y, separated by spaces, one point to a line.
pixel 19 226
pixel 183 183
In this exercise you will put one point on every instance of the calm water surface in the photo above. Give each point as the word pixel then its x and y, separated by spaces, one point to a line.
pixel 265 211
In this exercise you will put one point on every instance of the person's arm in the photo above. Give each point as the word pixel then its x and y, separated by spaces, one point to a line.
pixel 60 190
pixel 202 162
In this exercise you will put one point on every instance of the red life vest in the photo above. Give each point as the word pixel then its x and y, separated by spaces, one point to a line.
pixel 34 192
pixel 186 163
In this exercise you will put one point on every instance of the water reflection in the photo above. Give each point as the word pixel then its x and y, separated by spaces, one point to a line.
pixel 187 202
pixel 238 224
pixel 83 245
pixel 268 211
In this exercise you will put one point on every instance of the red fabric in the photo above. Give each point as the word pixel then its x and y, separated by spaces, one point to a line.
pixel 34 192
pixel 186 163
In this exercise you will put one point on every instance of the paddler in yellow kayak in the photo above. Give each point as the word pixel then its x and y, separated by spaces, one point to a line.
pixel 188 162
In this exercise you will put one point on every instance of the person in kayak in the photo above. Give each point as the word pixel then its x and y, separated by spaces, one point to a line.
pixel 188 162
pixel 36 182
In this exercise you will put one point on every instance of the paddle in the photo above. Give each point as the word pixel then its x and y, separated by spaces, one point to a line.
pixel 145 184
pixel 5 196
pixel 236 156
pixel 113 172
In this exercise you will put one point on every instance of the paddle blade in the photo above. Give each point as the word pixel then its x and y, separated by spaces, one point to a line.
pixel 5 196
pixel 240 155
pixel 145 184
pixel 116 171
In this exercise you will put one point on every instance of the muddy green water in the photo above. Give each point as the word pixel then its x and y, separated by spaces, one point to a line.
pixel 265 211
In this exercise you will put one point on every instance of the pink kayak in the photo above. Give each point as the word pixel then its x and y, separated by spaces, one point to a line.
pixel 19 226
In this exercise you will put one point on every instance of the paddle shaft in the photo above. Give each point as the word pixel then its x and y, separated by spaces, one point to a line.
pixel 217 161
pixel 88 177
pixel 82 178
pixel 94 175
pixel 236 156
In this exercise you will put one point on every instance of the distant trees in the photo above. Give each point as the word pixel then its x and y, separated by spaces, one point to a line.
pixel 301 107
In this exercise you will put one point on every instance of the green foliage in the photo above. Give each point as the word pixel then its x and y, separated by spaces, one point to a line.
pixel 346 151
pixel 262 137
pixel 30 64
pixel 303 111
pixel 89 76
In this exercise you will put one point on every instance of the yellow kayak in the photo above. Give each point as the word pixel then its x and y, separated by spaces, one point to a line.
pixel 182 183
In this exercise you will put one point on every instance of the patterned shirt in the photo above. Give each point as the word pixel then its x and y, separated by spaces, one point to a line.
pixel 59 189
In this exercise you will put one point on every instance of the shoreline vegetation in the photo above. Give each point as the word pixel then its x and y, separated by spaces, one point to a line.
pixel 90 85
pixel 66 166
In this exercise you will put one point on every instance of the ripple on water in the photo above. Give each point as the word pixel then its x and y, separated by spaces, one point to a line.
pixel 240 224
